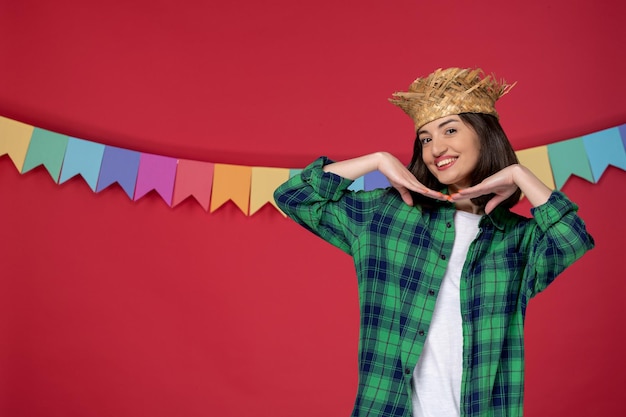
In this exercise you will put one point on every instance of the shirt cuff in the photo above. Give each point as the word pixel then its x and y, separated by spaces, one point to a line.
pixel 553 210
pixel 328 185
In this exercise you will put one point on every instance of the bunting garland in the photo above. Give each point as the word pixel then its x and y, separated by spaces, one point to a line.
pixel 251 188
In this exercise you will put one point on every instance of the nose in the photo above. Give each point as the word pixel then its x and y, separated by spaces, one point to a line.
pixel 438 147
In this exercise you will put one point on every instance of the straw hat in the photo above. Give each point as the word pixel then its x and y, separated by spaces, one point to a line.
pixel 450 91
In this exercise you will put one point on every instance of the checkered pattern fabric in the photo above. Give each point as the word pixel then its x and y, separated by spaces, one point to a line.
pixel 400 254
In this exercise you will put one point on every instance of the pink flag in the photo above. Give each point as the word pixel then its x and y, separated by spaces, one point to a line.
pixel 156 173
pixel 193 178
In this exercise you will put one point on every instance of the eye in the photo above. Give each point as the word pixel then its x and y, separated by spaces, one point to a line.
pixel 450 131
pixel 424 140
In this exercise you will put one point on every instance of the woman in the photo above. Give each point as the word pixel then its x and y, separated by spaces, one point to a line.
pixel 445 270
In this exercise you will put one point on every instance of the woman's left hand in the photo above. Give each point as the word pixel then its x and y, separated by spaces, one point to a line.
pixel 502 184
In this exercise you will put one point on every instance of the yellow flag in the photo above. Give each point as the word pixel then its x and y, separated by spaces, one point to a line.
pixel 231 182
pixel 14 140
pixel 538 161
pixel 264 182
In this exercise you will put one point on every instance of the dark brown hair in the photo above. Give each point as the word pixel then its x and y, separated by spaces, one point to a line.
pixel 496 153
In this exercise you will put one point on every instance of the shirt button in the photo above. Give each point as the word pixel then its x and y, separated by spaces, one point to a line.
pixel 431 292
pixel 443 257
pixel 448 225
pixel 421 332
pixel 407 371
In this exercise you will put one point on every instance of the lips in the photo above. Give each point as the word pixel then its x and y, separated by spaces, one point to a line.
pixel 445 162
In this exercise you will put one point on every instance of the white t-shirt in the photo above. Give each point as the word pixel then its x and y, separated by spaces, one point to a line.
pixel 437 376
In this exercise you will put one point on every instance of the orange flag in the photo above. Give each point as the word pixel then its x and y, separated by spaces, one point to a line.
pixel 14 140
pixel 231 182
pixel 264 182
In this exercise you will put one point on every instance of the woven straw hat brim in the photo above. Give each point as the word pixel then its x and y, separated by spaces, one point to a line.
pixel 450 91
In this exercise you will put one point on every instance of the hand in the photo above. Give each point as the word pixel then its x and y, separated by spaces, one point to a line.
pixel 502 184
pixel 403 180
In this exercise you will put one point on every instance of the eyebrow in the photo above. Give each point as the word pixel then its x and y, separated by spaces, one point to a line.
pixel 442 124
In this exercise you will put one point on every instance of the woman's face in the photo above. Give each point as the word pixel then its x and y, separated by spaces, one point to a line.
pixel 450 150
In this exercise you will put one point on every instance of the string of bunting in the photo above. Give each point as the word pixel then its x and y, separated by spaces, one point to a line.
pixel 250 188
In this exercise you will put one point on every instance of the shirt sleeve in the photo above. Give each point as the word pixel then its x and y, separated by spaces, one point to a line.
pixel 322 203
pixel 561 238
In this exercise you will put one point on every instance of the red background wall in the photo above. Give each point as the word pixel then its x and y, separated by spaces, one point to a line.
pixel 113 307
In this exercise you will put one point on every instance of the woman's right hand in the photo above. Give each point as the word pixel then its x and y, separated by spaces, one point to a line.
pixel 398 175
pixel 403 180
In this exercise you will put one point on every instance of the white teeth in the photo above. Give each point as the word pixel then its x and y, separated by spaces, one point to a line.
pixel 445 162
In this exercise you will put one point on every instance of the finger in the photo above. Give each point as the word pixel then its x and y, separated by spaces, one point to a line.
pixel 473 192
pixel 404 186
pixel 493 203
pixel 405 194
pixel 435 194
pixel 477 189
pixel 457 196
pixel 407 183
pixel 416 186
pixel 464 195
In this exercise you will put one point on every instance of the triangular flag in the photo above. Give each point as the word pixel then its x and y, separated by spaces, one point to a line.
pixel 605 148
pixel 264 182
pixel 294 172
pixel 231 182
pixel 536 159
pixel 357 184
pixel 157 173
pixel 193 178
pixel 14 140
pixel 84 158
pixel 374 180
pixel 47 148
pixel 121 166
pixel 569 157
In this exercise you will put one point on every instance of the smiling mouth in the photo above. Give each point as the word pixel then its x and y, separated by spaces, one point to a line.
pixel 445 162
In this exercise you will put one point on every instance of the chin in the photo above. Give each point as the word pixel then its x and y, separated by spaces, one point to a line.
pixel 446 182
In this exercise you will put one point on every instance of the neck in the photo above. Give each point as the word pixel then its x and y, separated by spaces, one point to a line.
pixel 468 206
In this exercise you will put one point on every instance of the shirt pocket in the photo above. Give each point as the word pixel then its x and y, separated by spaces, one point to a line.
pixel 497 287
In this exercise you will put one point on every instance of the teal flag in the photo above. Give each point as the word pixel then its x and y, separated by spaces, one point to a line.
pixel 569 157
pixel 48 149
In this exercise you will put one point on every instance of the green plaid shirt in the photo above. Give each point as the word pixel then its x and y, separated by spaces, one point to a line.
pixel 401 254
